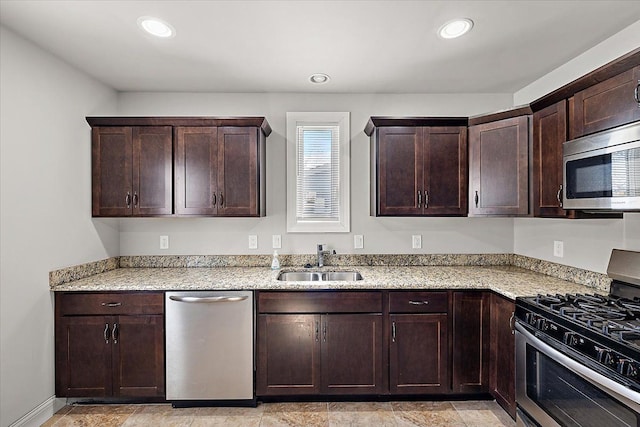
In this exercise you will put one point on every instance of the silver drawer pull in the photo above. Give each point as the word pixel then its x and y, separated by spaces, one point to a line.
pixel 208 299
pixel 111 304
pixel 418 302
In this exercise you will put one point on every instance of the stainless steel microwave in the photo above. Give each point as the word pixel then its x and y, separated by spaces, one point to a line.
pixel 602 171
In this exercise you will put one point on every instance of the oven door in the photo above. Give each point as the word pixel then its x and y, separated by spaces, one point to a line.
pixel 555 390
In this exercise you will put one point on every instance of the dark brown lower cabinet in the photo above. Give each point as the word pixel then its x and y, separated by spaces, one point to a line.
pixel 420 343
pixel 471 322
pixel 319 354
pixel 109 355
pixel 288 354
pixel 418 354
pixel 502 366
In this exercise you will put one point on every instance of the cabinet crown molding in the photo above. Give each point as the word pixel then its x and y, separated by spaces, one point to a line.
pixel 260 122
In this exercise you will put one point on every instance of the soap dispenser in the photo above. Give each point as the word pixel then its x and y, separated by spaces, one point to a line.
pixel 275 262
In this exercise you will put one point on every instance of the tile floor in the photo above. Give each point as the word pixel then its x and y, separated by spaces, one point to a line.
pixel 352 414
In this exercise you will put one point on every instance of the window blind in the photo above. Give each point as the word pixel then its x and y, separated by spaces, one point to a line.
pixel 318 173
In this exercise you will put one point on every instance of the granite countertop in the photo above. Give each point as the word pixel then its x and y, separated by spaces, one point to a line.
pixel 509 281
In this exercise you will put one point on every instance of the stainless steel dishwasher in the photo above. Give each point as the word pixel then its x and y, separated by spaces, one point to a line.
pixel 209 348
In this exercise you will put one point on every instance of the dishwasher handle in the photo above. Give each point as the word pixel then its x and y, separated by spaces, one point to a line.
pixel 208 299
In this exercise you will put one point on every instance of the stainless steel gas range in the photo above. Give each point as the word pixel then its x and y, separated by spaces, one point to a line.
pixel 578 356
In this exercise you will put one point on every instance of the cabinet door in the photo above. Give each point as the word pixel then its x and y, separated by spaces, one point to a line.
pixel 83 356
pixel 352 353
pixel 400 170
pixel 445 171
pixel 288 354
pixel 152 170
pixel 502 369
pixel 549 133
pixel 138 356
pixel 607 104
pixel 418 354
pixel 471 320
pixel 238 171
pixel 196 174
pixel 111 174
pixel 498 167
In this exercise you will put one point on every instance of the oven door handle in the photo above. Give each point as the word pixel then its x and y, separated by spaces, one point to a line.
pixel 619 391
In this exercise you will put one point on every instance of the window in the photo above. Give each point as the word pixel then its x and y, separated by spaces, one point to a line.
pixel 317 172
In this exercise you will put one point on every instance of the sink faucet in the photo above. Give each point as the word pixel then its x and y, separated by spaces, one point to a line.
pixel 320 253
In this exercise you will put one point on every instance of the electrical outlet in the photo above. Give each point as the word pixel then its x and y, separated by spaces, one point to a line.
pixel 164 242
pixel 358 241
pixel 558 248
pixel 253 241
pixel 416 241
pixel 276 241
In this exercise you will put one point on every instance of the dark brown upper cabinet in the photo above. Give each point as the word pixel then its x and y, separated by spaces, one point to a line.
pixel 499 167
pixel 131 171
pixel 610 103
pixel 549 133
pixel 160 166
pixel 217 171
pixel 419 166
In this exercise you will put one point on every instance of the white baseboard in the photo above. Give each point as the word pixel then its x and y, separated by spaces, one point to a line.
pixel 41 413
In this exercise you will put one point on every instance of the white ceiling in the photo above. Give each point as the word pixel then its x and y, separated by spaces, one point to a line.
pixel 273 46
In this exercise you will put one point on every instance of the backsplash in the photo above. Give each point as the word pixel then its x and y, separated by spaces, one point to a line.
pixel 580 276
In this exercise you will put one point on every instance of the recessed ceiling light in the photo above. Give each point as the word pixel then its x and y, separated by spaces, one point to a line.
pixel 319 78
pixel 156 27
pixel 455 28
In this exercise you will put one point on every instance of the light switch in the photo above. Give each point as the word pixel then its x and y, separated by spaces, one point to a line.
pixel 358 241
pixel 276 241
pixel 416 241
pixel 253 241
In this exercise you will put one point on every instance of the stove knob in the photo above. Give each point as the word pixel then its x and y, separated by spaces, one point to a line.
pixel 610 359
pixel 627 368
pixel 542 324
pixel 603 355
pixel 570 339
pixel 530 318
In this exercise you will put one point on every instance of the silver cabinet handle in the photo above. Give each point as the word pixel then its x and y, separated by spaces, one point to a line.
pixel 512 325
pixel 106 333
pixel 419 199
pixel 135 198
pixel 636 95
pixel 477 199
pixel 317 331
pixel 426 199
pixel 221 199
pixel 393 331
pixel 324 332
pixel 208 299
pixel 111 304
pixel 412 302
pixel 214 199
pixel 559 196
pixel 114 334
pixel 127 199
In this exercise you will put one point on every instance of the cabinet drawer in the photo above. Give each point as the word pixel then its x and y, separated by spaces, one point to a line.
pixel 110 303
pixel 320 302
pixel 418 302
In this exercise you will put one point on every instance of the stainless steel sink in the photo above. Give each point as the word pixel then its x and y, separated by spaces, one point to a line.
pixel 319 276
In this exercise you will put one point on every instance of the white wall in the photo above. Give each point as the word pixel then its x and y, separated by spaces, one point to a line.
pixel 381 235
pixel 45 209
pixel 587 243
